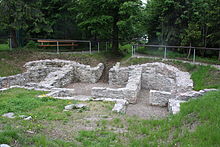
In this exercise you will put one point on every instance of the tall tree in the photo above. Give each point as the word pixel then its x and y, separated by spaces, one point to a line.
pixel 19 14
pixel 183 21
pixel 108 18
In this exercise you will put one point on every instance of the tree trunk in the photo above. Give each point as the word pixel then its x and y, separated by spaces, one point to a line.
pixel 115 34
pixel 14 42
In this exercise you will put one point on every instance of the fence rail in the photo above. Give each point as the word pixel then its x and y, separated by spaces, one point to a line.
pixel 97 43
pixel 135 48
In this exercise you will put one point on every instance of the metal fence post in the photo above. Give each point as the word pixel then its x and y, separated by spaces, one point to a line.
pixel 194 55
pixel 58 48
pixel 10 44
pixel 90 47
pixel 219 54
pixel 106 46
pixel 165 53
pixel 98 47
pixel 132 50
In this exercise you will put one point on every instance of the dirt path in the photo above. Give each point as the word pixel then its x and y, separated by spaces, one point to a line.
pixel 144 110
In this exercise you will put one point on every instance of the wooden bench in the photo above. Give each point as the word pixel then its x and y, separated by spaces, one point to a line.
pixel 58 43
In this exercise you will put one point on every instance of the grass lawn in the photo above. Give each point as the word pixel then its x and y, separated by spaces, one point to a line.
pixel 197 124
pixel 4 47
pixel 176 55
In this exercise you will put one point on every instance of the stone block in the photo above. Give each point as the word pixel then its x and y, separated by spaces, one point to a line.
pixel 174 106
pixel 159 98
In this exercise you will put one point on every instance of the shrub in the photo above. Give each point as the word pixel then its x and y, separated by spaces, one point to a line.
pixel 31 44
pixel 125 49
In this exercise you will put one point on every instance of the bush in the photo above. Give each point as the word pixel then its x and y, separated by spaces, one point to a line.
pixel 125 49
pixel 31 44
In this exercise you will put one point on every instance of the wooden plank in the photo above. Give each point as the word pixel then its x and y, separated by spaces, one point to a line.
pixel 68 41
pixel 58 45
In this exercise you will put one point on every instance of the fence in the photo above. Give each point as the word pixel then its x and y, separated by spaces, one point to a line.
pixel 165 48
pixel 80 45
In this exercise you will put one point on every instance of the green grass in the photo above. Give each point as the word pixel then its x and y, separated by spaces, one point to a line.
pixel 4 47
pixel 197 124
pixel 99 138
pixel 8 69
pixel 176 55
pixel 206 77
pixel 25 102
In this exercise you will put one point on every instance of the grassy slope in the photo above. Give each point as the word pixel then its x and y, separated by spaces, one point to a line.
pixel 197 124
pixel 176 55
pixel 11 62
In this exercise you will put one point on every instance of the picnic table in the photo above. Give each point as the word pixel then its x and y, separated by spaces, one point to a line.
pixel 58 43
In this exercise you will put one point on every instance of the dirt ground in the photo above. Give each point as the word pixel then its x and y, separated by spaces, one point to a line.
pixel 141 109
pixel 86 88
pixel 144 110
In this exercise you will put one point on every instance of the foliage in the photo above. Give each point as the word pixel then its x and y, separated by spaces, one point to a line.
pixel 32 44
pixel 125 49
pixel 19 15
pixel 183 22
pixel 116 20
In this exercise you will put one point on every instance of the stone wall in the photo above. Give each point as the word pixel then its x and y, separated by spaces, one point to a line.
pixel 129 92
pixel 118 75
pixel 53 73
pixel 164 81
pixel 155 76
pixel 159 98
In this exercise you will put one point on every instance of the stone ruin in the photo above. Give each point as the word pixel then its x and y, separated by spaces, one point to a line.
pixel 168 85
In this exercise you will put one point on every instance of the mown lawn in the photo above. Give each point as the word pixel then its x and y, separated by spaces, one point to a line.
pixel 197 124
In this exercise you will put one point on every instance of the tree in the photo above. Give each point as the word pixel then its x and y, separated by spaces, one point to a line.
pixel 171 21
pixel 108 18
pixel 19 14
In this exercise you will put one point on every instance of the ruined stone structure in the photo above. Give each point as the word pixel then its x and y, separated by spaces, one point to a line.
pixel 164 82
pixel 53 74
pixel 168 85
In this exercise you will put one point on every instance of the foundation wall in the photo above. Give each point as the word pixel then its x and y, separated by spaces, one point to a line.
pixel 57 73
